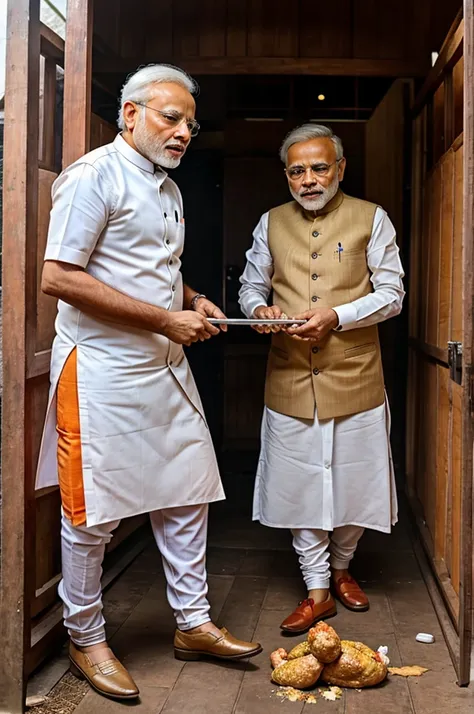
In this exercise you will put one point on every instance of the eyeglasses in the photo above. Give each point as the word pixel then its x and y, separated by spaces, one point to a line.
pixel 297 172
pixel 175 119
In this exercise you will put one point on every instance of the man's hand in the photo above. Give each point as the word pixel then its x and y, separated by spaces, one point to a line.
pixel 320 322
pixel 206 308
pixel 188 326
pixel 267 313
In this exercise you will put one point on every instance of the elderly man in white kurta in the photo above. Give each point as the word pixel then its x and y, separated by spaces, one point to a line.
pixel 125 431
pixel 325 468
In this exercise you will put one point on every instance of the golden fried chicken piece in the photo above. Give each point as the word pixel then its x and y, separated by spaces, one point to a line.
pixel 300 650
pixel 357 667
pixel 324 642
pixel 278 656
pixel 300 673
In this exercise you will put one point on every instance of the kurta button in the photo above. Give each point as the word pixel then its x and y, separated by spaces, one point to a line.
pixel 316 371
pixel 314 256
pixel 314 298
pixel 173 288
pixel 171 262
pixel 314 276
pixel 315 234
pixel 168 241
pixel 315 350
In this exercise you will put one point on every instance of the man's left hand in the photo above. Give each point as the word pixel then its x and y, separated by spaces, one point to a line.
pixel 206 308
pixel 319 322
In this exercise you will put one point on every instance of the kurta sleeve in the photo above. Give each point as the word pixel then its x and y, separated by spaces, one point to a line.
pixel 387 274
pixel 81 208
pixel 256 279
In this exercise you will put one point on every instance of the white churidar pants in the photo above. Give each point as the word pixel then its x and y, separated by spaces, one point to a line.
pixel 317 551
pixel 180 534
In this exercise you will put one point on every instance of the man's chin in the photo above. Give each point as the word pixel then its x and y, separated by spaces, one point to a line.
pixel 167 162
pixel 312 204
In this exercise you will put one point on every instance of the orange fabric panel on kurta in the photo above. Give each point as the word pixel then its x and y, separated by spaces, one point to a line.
pixel 69 444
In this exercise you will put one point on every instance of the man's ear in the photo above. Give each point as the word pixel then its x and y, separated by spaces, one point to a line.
pixel 341 168
pixel 130 115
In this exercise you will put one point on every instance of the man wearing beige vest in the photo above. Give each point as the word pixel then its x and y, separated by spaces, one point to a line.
pixel 325 469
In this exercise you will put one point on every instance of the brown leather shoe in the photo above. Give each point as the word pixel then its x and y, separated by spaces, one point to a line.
pixel 206 644
pixel 308 613
pixel 350 594
pixel 108 677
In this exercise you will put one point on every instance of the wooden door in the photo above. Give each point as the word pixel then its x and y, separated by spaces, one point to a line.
pixel 439 420
pixel 386 162
pixel 30 614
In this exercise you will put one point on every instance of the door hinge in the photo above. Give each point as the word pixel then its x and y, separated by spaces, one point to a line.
pixel 455 361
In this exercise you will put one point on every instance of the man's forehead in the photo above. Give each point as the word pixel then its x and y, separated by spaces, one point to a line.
pixel 172 93
pixel 321 149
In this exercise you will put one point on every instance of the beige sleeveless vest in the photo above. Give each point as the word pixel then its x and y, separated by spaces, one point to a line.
pixel 321 262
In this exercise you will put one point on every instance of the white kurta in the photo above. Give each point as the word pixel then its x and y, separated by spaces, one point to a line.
pixel 145 442
pixel 336 472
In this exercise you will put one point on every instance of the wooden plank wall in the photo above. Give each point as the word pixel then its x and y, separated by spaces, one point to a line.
pixel 434 419
pixel 405 30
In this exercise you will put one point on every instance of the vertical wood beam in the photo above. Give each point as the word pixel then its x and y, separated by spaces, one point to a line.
pixel 77 80
pixel 465 594
pixel 20 196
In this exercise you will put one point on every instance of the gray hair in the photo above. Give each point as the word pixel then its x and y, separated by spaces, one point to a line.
pixel 138 86
pixel 306 132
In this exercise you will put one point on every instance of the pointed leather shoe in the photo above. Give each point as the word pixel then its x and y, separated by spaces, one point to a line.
pixel 349 592
pixel 206 644
pixel 109 677
pixel 307 614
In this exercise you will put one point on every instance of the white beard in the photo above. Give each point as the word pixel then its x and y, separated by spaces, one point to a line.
pixel 153 149
pixel 318 202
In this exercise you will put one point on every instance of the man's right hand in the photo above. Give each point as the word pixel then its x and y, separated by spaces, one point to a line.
pixel 188 326
pixel 267 313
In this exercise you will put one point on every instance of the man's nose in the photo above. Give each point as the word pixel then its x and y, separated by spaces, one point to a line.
pixel 182 132
pixel 308 178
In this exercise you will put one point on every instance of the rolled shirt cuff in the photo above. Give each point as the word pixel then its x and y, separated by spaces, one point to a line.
pixel 347 315
pixel 251 305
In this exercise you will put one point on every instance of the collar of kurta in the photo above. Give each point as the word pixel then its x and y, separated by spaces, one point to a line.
pixel 135 157
pixel 331 206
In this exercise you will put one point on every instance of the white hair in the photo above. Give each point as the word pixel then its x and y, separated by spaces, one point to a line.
pixel 306 132
pixel 138 87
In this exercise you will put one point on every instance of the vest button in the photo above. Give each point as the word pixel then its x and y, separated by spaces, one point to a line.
pixel 314 298
pixel 315 350
pixel 314 276
pixel 316 372
pixel 315 234
pixel 314 256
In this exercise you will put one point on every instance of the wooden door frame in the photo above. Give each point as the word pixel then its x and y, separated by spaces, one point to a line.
pixel 467 570
pixel 20 198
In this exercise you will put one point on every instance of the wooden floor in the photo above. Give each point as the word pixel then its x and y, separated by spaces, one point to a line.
pixel 254 583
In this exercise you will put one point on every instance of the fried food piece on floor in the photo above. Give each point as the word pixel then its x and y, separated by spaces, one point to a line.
pixel 278 656
pixel 300 650
pixel 324 642
pixel 357 667
pixel 300 673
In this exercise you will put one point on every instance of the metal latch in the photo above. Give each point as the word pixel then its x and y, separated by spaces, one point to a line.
pixel 455 361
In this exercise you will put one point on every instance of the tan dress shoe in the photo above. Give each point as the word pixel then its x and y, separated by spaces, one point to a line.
pixel 350 593
pixel 307 614
pixel 108 677
pixel 207 644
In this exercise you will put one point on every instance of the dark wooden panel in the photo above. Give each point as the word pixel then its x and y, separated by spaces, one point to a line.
pixel 446 250
pixel 458 96
pixel 159 30
pixel 457 280
pixel 376 33
pixel 48 550
pixel 107 22
pixel 212 28
pixel 244 382
pixel 236 28
pixel 185 29
pixel 133 29
pixel 272 28
pixel 439 122
pixel 325 30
